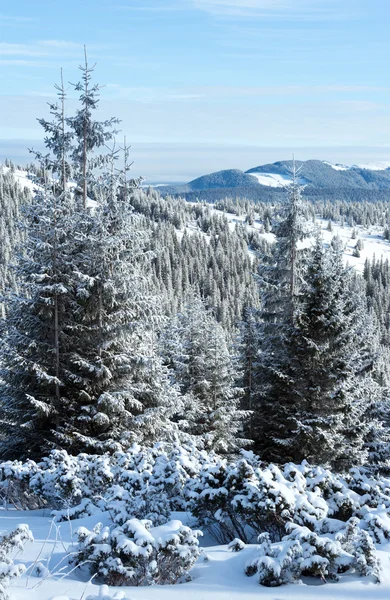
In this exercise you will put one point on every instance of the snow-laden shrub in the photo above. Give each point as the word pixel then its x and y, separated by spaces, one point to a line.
pixel 149 482
pixel 359 544
pixel 275 564
pixel 230 498
pixel 15 485
pixel 377 522
pixel 141 502
pixel 239 499
pixel 9 543
pixel 236 545
pixel 86 508
pixel 342 499
pixel 320 556
pixel 64 480
pixel 141 482
pixel 137 553
pixel 306 553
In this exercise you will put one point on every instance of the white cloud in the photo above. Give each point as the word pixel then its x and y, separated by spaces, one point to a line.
pixel 15 19
pixel 270 8
pixel 234 93
pixel 42 53
pixel 7 49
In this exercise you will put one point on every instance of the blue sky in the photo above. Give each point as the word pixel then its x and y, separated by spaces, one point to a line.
pixel 202 85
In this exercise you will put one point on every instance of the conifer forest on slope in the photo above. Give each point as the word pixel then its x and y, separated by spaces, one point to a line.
pixel 189 392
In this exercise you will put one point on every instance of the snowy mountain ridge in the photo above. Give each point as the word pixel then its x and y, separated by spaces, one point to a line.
pixel 322 179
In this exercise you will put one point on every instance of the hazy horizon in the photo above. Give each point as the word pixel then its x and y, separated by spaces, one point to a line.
pixel 215 83
pixel 176 163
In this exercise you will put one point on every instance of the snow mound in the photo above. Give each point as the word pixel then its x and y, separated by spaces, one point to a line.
pixel 104 594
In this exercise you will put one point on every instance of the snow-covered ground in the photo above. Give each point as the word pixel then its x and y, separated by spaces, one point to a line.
pixel 336 166
pixel 373 242
pixel 21 177
pixel 218 574
pixel 374 166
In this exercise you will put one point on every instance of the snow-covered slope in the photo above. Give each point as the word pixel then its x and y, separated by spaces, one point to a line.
pixel 275 179
pixel 375 166
pixel 336 166
pixel 373 242
pixel 21 177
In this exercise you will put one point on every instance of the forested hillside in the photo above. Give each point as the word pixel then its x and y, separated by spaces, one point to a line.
pixel 158 356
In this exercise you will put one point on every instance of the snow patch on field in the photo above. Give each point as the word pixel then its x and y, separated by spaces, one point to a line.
pixel 275 180
pixel 337 166
pixel 373 242
pixel 377 166
pixel 272 179
pixel 21 177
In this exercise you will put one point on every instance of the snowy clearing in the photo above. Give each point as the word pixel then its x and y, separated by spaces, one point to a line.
pixel 374 243
pixel 219 577
pixel 275 179
pixel 336 166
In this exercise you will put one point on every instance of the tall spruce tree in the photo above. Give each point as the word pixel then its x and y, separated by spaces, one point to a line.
pixel 280 280
pixel 335 346
pixel 76 350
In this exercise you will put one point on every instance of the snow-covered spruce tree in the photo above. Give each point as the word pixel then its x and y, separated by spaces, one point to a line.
pixel 119 391
pixel 248 345
pixel 77 350
pixel 335 350
pixel 38 315
pixel 196 349
pixel 275 369
pixel 90 134
pixel 12 198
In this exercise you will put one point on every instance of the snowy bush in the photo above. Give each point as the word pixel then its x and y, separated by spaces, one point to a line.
pixel 320 556
pixel 137 553
pixel 275 564
pixel 303 552
pixel 236 545
pixel 15 485
pixel 359 544
pixel 239 499
pixel 142 482
pixel 64 480
pixel 9 543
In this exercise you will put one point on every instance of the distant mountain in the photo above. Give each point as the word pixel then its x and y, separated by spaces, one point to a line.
pixel 321 179
pixel 229 178
pixel 321 174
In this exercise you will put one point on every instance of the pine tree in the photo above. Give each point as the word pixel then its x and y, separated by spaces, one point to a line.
pixel 248 344
pixel 280 278
pixel 77 340
pixel 90 135
pixel 30 396
pixel 195 348
pixel 334 346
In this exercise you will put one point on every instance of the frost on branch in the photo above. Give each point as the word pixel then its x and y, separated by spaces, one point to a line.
pixel 9 543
